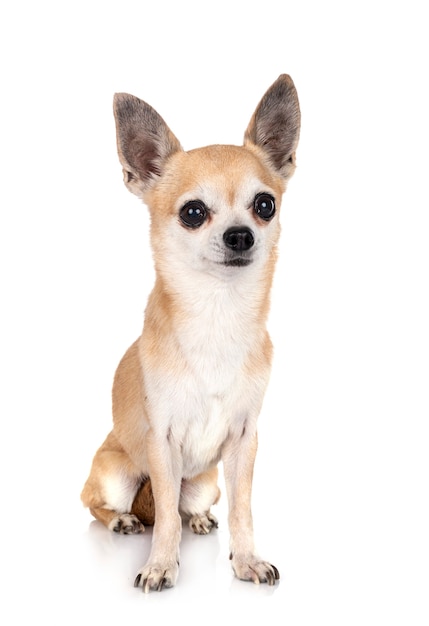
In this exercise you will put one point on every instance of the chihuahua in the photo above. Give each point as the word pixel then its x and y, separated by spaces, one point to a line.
pixel 187 394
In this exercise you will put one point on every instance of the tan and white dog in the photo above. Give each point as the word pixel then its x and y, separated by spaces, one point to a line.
pixel 188 392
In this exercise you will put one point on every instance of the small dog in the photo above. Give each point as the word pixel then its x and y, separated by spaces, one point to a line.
pixel 188 392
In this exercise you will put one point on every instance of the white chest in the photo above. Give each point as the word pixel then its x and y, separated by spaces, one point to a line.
pixel 216 338
pixel 203 393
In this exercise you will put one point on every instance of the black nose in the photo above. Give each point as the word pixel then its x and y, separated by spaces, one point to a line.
pixel 239 239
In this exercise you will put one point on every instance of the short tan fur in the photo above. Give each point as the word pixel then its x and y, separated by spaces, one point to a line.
pixel 188 392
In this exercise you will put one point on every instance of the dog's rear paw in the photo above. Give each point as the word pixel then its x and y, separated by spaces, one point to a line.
pixel 157 577
pixel 126 524
pixel 250 568
pixel 203 524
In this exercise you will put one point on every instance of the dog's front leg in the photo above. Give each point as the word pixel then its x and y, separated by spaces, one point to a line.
pixel 165 470
pixel 238 461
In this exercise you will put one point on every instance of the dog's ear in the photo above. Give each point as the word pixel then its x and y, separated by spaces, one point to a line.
pixel 275 125
pixel 144 141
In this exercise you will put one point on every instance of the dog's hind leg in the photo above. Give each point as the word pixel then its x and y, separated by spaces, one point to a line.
pixel 196 497
pixel 111 488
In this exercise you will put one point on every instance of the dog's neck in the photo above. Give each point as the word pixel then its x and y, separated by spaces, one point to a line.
pixel 214 324
pixel 193 295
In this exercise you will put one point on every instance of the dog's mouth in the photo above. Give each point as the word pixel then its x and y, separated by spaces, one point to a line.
pixel 237 262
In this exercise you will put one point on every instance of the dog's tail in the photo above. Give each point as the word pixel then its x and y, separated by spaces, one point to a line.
pixel 144 504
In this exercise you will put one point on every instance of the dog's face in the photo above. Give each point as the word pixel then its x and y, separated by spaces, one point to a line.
pixel 215 210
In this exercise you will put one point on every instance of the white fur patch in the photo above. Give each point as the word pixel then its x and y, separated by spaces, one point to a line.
pixel 119 491
pixel 211 396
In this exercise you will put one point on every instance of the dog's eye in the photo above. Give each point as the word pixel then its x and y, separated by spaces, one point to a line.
pixel 264 206
pixel 193 214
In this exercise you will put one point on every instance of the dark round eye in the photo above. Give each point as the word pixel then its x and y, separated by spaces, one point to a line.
pixel 264 206
pixel 193 214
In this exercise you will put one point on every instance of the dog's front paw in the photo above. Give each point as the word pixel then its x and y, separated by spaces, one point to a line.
pixel 203 524
pixel 251 568
pixel 126 524
pixel 156 577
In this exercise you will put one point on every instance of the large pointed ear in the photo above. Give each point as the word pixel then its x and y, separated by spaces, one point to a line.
pixel 275 125
pixel 144 141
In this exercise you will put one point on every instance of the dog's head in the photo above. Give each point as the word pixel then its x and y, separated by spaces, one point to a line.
pixel 213 209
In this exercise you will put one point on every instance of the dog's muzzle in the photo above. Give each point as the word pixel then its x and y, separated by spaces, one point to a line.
pixel 239 240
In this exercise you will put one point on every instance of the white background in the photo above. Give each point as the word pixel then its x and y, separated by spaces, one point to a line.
pixel 341 482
